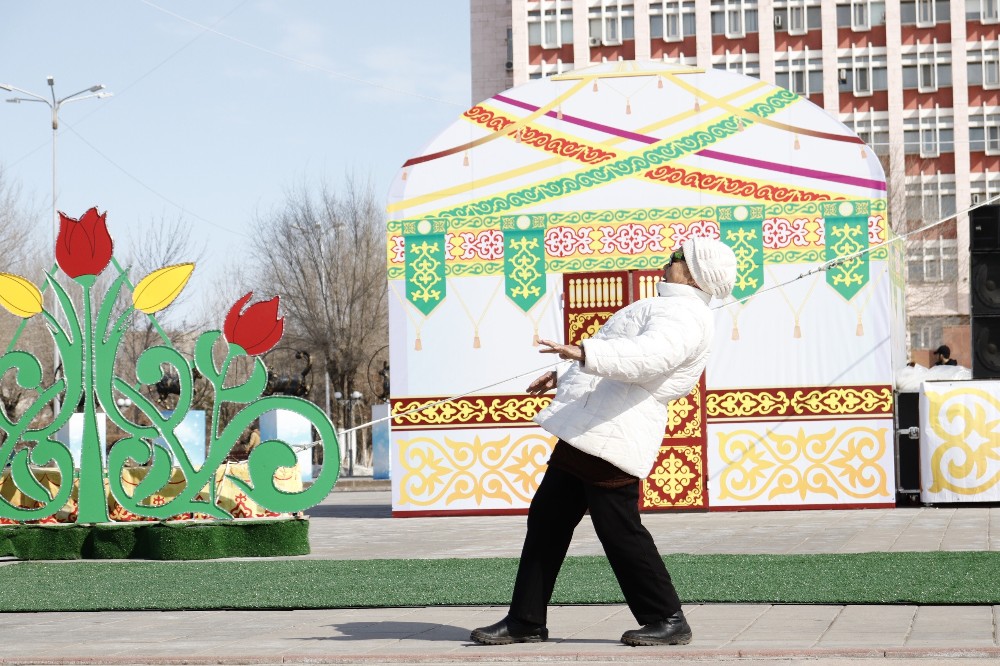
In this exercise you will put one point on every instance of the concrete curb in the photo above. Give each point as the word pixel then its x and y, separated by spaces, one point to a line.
pixel 500 654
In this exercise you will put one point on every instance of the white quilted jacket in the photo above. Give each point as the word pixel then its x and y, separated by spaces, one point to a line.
pixel 647 354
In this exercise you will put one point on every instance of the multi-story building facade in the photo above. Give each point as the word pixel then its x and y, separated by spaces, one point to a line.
pixel 919 80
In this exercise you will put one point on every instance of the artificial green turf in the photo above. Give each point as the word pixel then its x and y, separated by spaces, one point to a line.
pixel 157 540
pixel 865 578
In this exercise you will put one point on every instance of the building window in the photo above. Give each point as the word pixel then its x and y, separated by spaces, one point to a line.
pixel 797 23
pixel 550 28
pixel 609 26
pixel 860 15
pixel 671 20
pixel 929 141
pixel 733 18
pixel 863 74
pixel 933 260
pixel 801 74
pixel 927 76
pixel 874 131
pixel 991 69
pixel 925 13
pixel 989 11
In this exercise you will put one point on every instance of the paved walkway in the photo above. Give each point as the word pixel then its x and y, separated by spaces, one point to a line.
pixel 357 525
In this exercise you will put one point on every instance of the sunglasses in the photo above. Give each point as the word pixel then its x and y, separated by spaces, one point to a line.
pixel 675 256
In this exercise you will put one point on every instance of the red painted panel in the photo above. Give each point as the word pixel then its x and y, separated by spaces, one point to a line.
pixel 812 39
pixel 913 98
pixel 877 101
pixel 720 44
pixel 979 96
pixel 537 55
pixel 929 166
pixel 911 34
pixel 979 162
pixel 847 38
pixel 625 51
pixel 659 48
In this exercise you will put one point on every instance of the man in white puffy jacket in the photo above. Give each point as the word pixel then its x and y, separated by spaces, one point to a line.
pixel 609 413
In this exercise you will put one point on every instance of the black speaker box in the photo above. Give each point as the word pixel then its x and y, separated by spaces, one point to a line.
pixel 986 347
pixel 984 285
pixel 984 229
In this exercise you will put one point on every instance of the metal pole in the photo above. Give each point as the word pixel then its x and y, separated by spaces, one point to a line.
pixel 350 422
pixel 55 231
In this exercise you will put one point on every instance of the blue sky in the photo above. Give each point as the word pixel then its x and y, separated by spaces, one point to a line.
pixel 213 128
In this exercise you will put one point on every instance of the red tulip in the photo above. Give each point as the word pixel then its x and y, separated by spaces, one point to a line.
pixel 83 246
pixel 256 329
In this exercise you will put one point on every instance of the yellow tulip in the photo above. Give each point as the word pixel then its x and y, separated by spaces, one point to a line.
pixel 159 289
pixel 19 295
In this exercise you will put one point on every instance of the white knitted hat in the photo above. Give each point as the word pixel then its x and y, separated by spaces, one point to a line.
pixel 712 265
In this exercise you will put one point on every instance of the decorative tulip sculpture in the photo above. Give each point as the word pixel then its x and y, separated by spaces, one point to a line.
pixel 88 344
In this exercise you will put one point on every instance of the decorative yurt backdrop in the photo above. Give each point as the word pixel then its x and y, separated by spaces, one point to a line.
pixel 543 210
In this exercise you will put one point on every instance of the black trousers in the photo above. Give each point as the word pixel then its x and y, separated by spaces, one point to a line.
pixel 556 510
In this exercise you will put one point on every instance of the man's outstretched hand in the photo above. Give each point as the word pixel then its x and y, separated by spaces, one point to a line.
pixel 546 382
pixel 566 352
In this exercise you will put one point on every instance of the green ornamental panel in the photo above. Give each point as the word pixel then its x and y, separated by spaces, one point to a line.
pixel 846 232
pixel 425 267
pixel 524 259
pixel 740 229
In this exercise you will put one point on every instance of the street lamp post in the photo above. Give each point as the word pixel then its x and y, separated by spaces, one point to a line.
pixel 350 402
pixel 54 106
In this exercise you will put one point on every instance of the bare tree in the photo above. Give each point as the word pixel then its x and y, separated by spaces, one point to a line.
pixel 19 219
pixel 324 254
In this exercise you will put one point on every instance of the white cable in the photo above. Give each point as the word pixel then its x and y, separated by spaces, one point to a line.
pixel 819 269
pixel 854 255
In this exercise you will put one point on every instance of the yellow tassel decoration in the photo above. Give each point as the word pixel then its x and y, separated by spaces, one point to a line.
pixel 475 342
pixel 697 105
pixel 739 124
pixel 659 82
pixel 465 159
pixel 559 113
pixel 595 86
pixel 736 333
pixel 797 146
pixel 861 328
pixel 864 155
pixel 797 332
pixel 628 107
pixel 535 340
pixel 517 136
pixel 403 177
pixel 416 345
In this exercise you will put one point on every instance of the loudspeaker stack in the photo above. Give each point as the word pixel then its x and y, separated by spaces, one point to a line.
pixel 984 288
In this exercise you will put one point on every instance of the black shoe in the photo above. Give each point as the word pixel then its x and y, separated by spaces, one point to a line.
pixel 509 630
pixel 672 631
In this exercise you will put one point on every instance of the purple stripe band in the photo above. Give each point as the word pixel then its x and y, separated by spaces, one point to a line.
pixel 712 154
pixel 795 171
pixel 625 134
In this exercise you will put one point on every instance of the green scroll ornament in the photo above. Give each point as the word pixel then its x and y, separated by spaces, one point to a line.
pixel 524 259
pixel 88 343
pixel 740 227
pixel 846 232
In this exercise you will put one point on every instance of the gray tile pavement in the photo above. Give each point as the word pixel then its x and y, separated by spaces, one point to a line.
pixel 357 525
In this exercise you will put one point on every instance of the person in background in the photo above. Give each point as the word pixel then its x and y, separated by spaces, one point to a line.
pixel 942 356
pixel 609 414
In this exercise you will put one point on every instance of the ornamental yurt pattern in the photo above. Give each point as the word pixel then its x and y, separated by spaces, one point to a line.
pixel 543 210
